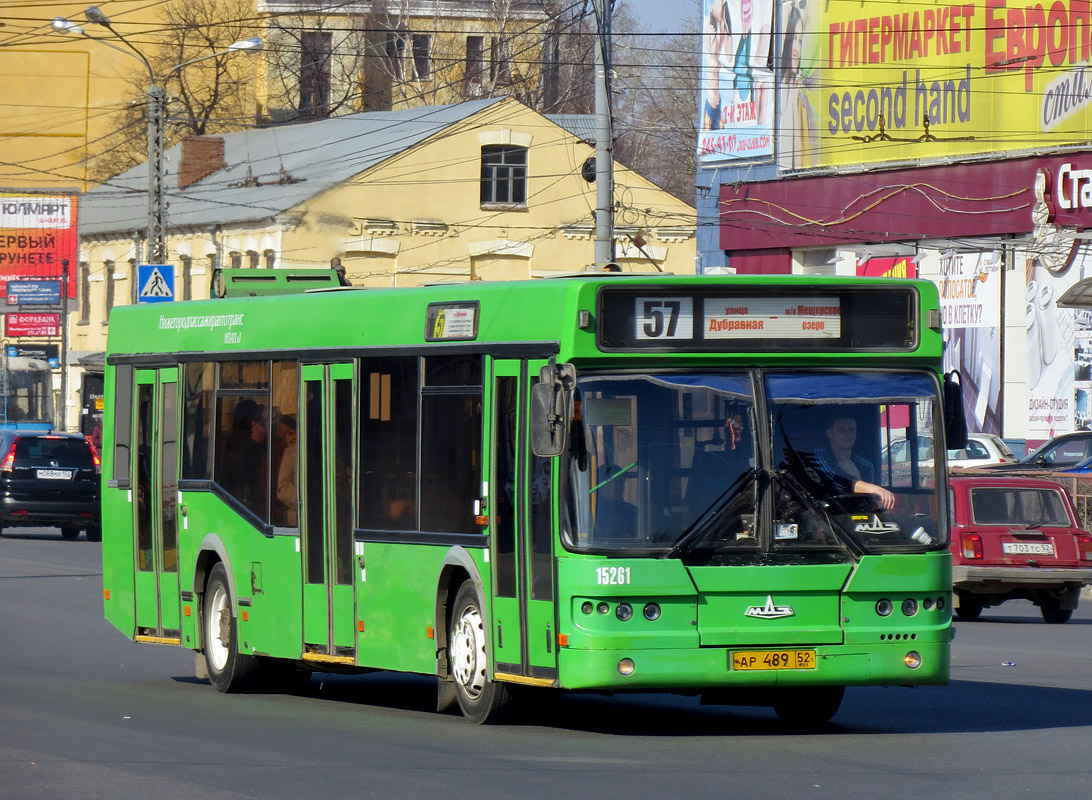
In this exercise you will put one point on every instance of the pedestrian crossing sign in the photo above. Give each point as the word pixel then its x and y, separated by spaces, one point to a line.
pixel 155 283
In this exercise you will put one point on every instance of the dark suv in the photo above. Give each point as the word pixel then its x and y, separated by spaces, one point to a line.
pixel 50 479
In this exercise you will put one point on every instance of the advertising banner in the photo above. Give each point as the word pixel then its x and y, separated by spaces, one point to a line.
pixel 737 81
pixel 918 80
pixel 37 235
pixel 32 324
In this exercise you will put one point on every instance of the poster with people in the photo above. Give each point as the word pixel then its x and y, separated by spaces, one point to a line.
pixel 737 80
pixel 797 80
pixel 970 309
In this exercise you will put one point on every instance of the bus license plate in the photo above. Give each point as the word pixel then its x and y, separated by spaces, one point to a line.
pixel 773 659
pixel 55 474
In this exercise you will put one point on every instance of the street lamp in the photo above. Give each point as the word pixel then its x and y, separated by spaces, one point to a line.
pixel 156 98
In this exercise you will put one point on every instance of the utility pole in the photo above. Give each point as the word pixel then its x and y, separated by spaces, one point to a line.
pixel 604 144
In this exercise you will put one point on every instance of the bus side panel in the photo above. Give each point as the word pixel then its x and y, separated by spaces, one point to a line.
pixel 117 560
pixel 396 601
pixel 269 569
pixel 265 571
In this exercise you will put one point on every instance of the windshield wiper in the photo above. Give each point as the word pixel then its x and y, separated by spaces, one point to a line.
pixel 700 526
pixel 802 495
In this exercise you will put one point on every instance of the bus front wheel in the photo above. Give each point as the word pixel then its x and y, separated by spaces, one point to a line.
pixel 480 699
pixel 229 670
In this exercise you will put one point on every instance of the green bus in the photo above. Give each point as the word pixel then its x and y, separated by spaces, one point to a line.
pixel 604 482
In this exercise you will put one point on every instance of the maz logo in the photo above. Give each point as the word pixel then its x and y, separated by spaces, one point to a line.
pixel 877 526
pixel 769 611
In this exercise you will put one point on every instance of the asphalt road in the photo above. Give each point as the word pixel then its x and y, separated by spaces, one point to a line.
pixel 84 713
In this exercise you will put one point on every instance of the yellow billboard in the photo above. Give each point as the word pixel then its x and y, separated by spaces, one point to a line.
pixel 904 81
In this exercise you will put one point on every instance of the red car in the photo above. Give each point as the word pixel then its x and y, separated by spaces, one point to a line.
pixel 1017 538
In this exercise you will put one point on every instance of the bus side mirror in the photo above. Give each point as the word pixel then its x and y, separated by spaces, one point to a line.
pixel 552 409
pixel 955 420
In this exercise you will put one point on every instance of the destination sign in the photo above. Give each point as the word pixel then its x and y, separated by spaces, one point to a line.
pixel 762 317
pixel 757 319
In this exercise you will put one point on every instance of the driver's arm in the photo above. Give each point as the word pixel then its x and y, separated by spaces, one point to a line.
pixel 887 499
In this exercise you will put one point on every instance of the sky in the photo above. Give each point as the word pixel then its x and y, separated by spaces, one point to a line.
pixel 662 15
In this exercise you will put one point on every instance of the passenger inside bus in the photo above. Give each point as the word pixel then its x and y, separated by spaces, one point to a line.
pixel 244 459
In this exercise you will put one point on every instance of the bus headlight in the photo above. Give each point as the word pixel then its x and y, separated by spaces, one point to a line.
pixel 652 611
pixel 624 612
pixel 912 659
pixel 884 607
pixel 626 666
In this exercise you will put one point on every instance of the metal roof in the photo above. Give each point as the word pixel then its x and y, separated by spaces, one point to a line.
pixel 582 126
pixel 269 170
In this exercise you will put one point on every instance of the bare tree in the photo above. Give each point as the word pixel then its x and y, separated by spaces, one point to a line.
pixel 656 101
pixel 210 96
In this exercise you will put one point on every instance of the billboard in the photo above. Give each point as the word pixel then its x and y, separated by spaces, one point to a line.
pixel 37 235
pixel 869 83
pixel 737 81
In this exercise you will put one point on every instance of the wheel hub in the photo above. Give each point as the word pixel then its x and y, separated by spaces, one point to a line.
pixel 468 652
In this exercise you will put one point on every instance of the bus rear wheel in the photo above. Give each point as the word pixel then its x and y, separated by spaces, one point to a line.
pixel 811 706
pixel 229 670
pixel 480 699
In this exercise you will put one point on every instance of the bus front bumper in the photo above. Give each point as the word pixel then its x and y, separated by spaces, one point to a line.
pixel 884 664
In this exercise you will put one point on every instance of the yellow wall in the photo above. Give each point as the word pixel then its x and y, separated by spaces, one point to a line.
pixel 60 90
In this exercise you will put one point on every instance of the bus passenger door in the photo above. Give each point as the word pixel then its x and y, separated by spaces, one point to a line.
pixel 155 506
pixel 326 521
pixel 521 544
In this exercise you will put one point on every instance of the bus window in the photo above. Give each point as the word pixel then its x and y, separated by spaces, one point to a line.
pixel 451 443
pixel 242 463
pixel 285 500
pixel 197 392
pixel 651 455
pixel 388 444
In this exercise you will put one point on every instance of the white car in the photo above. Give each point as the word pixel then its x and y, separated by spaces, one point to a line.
pixel 983 449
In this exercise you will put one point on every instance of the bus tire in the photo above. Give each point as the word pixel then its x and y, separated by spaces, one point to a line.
pixel 481 700
pixel 229 670
pixel 811 706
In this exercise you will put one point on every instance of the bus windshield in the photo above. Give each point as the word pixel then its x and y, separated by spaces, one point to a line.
pixel 26 392
pixel 671 464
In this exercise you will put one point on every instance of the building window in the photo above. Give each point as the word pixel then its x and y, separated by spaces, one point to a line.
pixel 551 78
pixel 236 259
pixel 315 52
pixel 500 70
pixel 475 63
pixel 109 267
pixel 85 292
pixel 187 277
pixel 254 259
pixel 396 53
pixel 270 259
pixel 422 56
pixel 504 175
